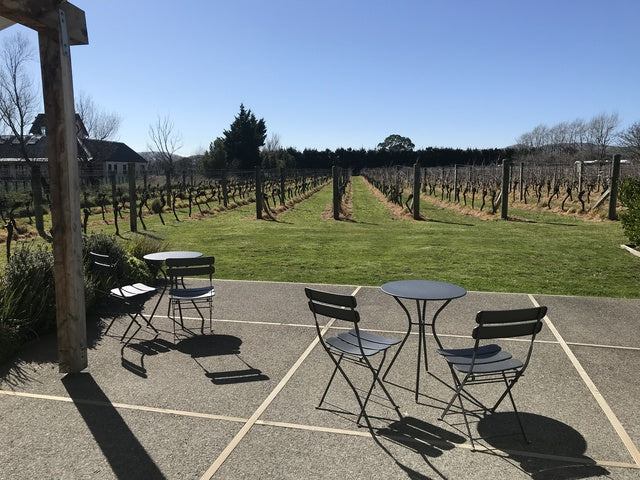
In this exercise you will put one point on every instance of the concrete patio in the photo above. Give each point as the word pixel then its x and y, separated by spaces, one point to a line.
pixel 240 403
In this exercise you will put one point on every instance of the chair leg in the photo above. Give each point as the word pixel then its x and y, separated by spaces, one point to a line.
pixel 333 374
pixel 110 325
pixel 133 320
pixel 132 335
pixel 466 422
pixel 509 385
pixel 195 305
pixel 377 379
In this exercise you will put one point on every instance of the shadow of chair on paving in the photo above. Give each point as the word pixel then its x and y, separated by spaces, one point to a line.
pixel 425 439
pixel 203 346
pixel 109 430
pixel 557 451
pixel 421 437
pixel 141 349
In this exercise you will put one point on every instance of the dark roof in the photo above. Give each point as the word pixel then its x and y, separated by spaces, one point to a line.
pixel 38 127
pixel 106 151
pixel 10 147
pixel 94 150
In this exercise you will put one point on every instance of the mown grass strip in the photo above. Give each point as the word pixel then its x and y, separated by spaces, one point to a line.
pixel 542 253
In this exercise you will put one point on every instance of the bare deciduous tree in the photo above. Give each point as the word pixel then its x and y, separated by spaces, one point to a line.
pixel 18 106
pixel 165 142
pixel 100 125
pixel 630 140
pixel 600 133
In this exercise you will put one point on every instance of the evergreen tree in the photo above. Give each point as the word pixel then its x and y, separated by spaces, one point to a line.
pixel 243 140
pixel 215 158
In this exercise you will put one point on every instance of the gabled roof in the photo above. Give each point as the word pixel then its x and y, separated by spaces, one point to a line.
pixel 10 147
pixel 88 149
pixel 39 126
pixel 106 151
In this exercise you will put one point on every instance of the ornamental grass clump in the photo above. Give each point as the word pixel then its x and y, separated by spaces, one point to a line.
pixel 27 298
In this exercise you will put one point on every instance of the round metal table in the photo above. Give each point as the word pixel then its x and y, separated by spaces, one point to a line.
pixel 422 291
pixel 162 256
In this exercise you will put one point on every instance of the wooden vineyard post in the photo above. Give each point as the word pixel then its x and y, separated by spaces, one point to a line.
pixel 336 192
pixel 521 181
pixel 225 189
pixel 258 193
pixel 580 167
pixel 114 201
pixel 455 183
pixel 613 195
pixel 133 199
pixel 282 185
pixel 416 191
pixel 506 164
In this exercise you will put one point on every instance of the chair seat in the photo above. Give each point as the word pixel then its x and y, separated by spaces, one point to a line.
pixel 378 346
pixel 492 367
pixel 130 291
pixel 349 348
pixel 199 293
pixel 370 337
pixel 467 352
pixel 479 359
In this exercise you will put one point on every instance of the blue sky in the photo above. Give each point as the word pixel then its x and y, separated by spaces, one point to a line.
pixel 330 73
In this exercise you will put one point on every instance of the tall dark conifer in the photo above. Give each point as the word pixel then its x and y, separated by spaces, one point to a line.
pixel 244 138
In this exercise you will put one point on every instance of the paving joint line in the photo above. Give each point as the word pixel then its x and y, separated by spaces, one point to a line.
pixel 402 332
pixel 296 426
pixel 211 471
pixel 607 410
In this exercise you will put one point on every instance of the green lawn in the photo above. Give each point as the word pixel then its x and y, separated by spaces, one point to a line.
pixel 543 253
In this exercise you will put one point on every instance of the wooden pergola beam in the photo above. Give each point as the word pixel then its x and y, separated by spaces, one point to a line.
pixel 44 16
pixel 59 25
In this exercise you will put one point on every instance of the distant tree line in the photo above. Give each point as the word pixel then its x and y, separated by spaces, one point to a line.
pixel 580 140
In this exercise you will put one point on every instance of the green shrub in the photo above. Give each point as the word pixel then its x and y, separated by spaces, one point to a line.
pixel 10 327
pixel 27 292
pixel 630 198
pixel 128 268
pixel 143 244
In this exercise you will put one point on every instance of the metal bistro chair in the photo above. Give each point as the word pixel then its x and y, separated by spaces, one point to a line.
pixel 489 363
pixel 133 296
pixel 354 346
pixel 182 298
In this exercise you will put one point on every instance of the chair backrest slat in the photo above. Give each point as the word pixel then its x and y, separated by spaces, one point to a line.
pixel 333 305
pixel 333 298
pixel 188 267
pixel 102 262
pixel 509 316
pixel 509 323
pixel 331 311
pixel 507 330
pixel 190 271
pixel 187 262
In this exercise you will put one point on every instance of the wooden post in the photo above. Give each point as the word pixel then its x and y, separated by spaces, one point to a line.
pixel 521 181
pixel 580 169
pixel 133 198
pixel 282 185
pixel 506 164
pixel 57 87
pixel 416 191
pixel 225 189
pixel 336 192
pixel 258 193
pixel 613 195
pixel 455 183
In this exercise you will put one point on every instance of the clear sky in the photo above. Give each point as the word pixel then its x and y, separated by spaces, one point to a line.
pixel 341 73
